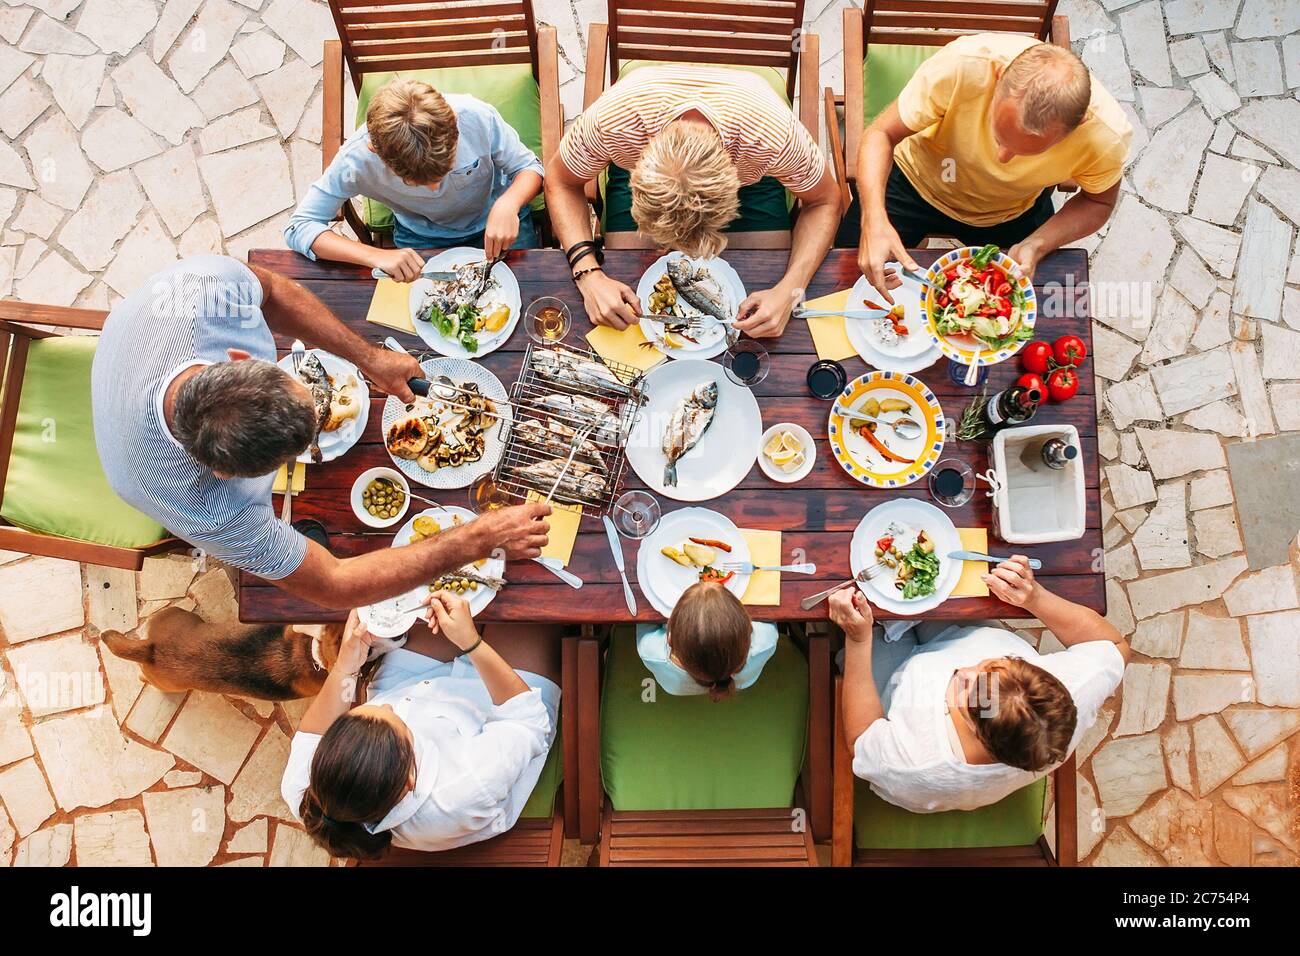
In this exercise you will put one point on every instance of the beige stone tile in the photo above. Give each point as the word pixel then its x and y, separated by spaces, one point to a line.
pixel 1213 643
pixel 8 837
pixel 1176 741
pixel 1198 694
pixel 115 838
pixel 1127 771
pixel 246 861
pixel 1160 636
pixel 1275 657
pixel 186 825
pixel 1145 698
pixel 1231 837
pixel 1258 728
pixel 249 839
pixel 1268 768
pixel 124 682
pixel 110 598
pixel 293 847
pixel 1179 828
pixel 166 576
pixel 1216 757
pixel 59 609
pixel 182 778
pixel 1210 490
pixel 25 796
pixel 51 847
pixel 152 712
pixel 90 763
pixel 1216 530
pixel 212 735
pixel 15 741
pixel 1158 593
pixel 57 675
pixel 1267 806
pixel 1123 849
pixel 256 791
pixel 1272 589
pixel 214 596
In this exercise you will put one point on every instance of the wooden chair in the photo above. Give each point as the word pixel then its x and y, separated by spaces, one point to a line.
pixel 1035 853
pixel 46 384
pixel 534 841
pixel 720 32
pixel 452 38
pixel 705 837
pixel 893 24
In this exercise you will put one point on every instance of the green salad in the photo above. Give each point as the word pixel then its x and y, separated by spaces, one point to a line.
pixel 461 325
pixel 918 570
pixel 977 298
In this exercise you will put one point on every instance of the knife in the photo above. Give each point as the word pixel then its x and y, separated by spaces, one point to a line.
pixel 554 566
pixel 616 546
pixel 1034 563
pixel 436 275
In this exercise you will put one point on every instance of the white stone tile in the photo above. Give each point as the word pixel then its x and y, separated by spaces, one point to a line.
pixel 50 36
pixel 60 609
pixel 15 741
pixel 1216 758
pixel 57 161
pixel 175 190
pixel 1132 260
pixel 25 796
pixel 1171 332
pixel 1262 266
pixel 1199 694
pixel 90 763
pixel 212 735
pixel 1177 744
pixel 1216 245
pixel 155 100
pixel 1121 848
pixel 51 847
pixel 1215 95
pixel 1286 405
pixel 1198 16
pixel 1128 771
pixel 1191 278
pixel 229 174
pixel 1281 349
pixel 37 217
pixel 1133 400
pixel 286 92
pixel 1107 439
pixel 1220 417
pixel 176 14
pixel 237 129
pixel 1214 328
pixel 303 24
pixel 1160 593
pixel 13 171
pixel 13 21
pixel 124 682
pixel 214 597
pixel 1291 306
pixel 1194 381
pixel 20 104
pixel 1249 149
pixel 165 577
pixel 1121 563
pixel 1144 39
pixel 1224 185
pixel 203 236
pixel 1161 542
pixel 111 210
pixel 57 675
pixel 115 140
pixel 54 281
pixel 1281 187
pixel 13 64
pixel 1112 354
pixel 1291 59
pixel 206 43
pixel 152 712
pixel 293 847
pixel 258 53
pixel 310 127
pixel 186 826
pixel 1130 452
pixel 1256 729
pixel 1273 123
pixel 1165 173
pixel 1250 387
pixel 1188 57
pixel 1172 453
pixel 249 839
pixel 1213 643
pixel 1258 68
pixel 116 838
pixel 183 778
pixel 1160 636
pixel 224 91
pixel 256 791
pixel 75 83
pixel 1129 487
pixel 116 26
pixel 1145 698
pixel 1118 610
pixel 1272 589
pixel 1272 766
pixel 1268 18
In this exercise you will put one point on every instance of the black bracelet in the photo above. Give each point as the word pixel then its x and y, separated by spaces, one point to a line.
pixel 583 272
pixel 473 647
pixel 586 247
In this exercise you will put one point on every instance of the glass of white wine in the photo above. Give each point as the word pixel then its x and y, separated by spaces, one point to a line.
pixel 547 320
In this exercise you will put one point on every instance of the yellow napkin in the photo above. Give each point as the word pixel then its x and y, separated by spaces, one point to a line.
pixel 624 347
pixel 282 477
pixel 829 335
pixel 390 306
pixel 564 521
pixel 764 549
pixel 969 584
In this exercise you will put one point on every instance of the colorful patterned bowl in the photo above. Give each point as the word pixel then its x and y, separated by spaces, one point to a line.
pixel 847 446
pixel 962 350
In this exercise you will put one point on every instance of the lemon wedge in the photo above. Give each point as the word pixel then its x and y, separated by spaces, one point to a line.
pixel 790 441
pixel 673 340
pixel 785 455
pixel 792 464
pixel 775 444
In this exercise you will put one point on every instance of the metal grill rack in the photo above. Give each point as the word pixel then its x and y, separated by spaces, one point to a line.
pixel 529 397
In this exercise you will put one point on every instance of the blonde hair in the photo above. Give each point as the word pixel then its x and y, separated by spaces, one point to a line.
pixel 710 631
pixel 1053 86
pixel 684 190
pixel 413 130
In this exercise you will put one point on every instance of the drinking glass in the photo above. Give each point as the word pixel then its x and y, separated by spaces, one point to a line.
pixel 547 320
pixel 957 373
pixel 746 363
pixel 636 514
pixel 486 495
pixel 952 482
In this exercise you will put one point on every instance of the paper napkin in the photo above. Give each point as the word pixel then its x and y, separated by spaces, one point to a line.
pixel 564 521
pixel 969 584
pixel 624 347
pixel 282 477
pixel 390 306
pixel 764 549
pixel 829 335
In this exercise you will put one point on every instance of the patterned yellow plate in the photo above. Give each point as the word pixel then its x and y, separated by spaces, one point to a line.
pixel 863 462
pixel 962 348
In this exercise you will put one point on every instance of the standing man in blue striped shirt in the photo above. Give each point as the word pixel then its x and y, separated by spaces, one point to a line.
pixel 193 419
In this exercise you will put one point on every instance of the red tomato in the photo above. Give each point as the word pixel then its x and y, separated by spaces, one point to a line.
pixel 1062 384
pixel 1069 350
pixel 1031 381
pixel 1036 357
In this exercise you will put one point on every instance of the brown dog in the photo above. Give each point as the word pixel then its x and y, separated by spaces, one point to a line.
pixel 179 651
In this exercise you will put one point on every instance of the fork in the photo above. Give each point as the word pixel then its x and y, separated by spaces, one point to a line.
pixel 748 567
pixel 866 574
pixel 487 275
pixel 579 437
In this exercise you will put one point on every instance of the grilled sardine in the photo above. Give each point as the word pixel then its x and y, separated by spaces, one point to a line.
pixel 697 287
pixel 691 419
pixel 312 374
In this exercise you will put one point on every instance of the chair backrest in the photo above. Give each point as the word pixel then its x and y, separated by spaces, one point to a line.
pixel 728 32
pixel 380 36
pixel 938 22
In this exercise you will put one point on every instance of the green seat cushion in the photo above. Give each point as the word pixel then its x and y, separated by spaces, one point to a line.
pixel 886 68
pixel 690 753
pixel 1015 820
pixel 541 802
pixel 55 483
pixel 510 87
pixel 764 206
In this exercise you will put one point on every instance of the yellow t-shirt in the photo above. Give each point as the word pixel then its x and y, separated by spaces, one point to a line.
pixel 952 158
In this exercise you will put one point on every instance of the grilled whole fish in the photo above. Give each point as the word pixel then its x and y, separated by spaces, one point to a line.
pixel 570 368
pixel 450 296
pixel 697 287
pixel 468 573
pixel 691 419
pixel 578 409
pixel 580 481
pixel 556 438
pixel 312 374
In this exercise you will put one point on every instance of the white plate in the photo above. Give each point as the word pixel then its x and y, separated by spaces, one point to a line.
pixel 916 516
pixel 809 452
pixel 334 444
pixel 458 370
pixel 508 293
pixel 913 352
pixel 493 567
pixel 663 580
pixel 723 455
pixel 714 340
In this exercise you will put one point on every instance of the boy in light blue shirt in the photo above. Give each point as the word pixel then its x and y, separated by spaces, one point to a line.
pixel 453 172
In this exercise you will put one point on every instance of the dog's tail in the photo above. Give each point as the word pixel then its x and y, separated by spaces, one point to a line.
pixel 128 648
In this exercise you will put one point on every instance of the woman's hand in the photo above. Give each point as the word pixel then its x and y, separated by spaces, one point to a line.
pixel 763 315
pixel 449 615
pixel 502 228
pixel 608 301
pixel 354 648
pixel 851 612
pixel 1012 581
pixel 404 265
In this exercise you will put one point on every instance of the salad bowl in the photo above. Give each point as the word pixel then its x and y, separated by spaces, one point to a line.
pixel 981 309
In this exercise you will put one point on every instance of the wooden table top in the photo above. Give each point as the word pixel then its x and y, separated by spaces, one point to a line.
pixel 817 514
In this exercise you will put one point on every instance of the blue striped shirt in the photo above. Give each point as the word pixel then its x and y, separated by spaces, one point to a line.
pixel 188 314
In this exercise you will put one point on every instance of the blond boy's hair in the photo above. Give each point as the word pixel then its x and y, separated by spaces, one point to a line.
pixel 710 632
pixel 1053 86
pixel 413 130
pixel 684 190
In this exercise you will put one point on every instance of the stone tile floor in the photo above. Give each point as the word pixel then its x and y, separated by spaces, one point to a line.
pixel 131 130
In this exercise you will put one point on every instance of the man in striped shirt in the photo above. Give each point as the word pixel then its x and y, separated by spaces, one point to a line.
pixel 692 136
pixel 193 419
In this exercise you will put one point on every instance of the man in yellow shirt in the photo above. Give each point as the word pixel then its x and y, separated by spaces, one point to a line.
pixel 974 145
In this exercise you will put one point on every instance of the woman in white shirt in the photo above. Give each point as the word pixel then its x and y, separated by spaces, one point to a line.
pixel 709 645
pixel 441 754
pixel 974 713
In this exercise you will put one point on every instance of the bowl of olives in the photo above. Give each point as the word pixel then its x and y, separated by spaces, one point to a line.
pixel 380 497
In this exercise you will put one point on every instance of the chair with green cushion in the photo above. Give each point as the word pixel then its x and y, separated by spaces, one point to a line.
pixel 679 780
pixel 54 498
pixel 868 831
pixel 732 33
pixel 504 58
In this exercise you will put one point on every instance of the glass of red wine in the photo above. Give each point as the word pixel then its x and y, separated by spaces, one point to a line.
pixel 746 363
pixel 952 482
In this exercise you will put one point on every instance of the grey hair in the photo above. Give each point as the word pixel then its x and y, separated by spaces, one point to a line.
pixel 1053 86
pixel 242 419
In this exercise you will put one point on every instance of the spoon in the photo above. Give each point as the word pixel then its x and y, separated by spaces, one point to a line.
pixel 904 427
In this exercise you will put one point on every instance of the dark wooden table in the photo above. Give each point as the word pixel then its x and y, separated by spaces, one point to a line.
pixel 817 515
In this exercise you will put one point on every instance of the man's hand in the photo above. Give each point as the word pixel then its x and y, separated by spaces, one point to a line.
pixel 881 244
pixel 1027 254
pixel 1012 581
pixel 354 648
pixel 449 616
pixel 521 531
pixel 851 612
pixel 608 301
pixel 502 228
pixel 404 265
pixel 763 315
pixel 391 370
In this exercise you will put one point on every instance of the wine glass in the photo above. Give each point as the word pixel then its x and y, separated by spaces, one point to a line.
pixel 486 495
pixel 636 514
pixel 547 320
pixel 952 482
pixel 746 363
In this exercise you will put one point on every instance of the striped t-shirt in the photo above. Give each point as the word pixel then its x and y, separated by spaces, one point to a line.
pixel 188 314
pixel 758 129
